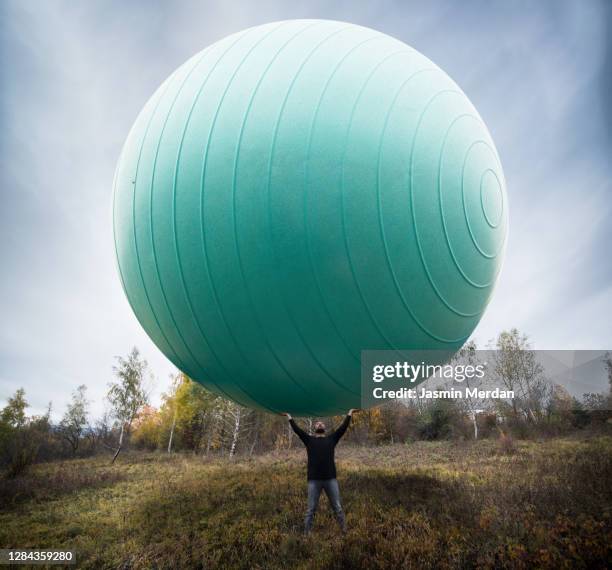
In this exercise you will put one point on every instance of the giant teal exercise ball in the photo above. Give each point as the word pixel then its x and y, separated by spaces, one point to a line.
pixel 296 193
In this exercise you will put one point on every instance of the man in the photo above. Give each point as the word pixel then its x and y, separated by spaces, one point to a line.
pixel 322 467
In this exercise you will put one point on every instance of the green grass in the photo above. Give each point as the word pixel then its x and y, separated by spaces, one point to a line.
pixel 424 505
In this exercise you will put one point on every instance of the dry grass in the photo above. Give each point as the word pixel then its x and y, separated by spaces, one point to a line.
pixel 56 479
pixel 427 505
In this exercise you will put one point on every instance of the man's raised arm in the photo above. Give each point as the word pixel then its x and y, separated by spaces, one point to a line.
pixel 297 429
pixel 343 427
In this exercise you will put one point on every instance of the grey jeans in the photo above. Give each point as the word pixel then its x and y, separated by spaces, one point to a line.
pixel 330 486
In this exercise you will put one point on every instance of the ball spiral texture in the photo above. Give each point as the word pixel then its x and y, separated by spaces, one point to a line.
pixel 296 193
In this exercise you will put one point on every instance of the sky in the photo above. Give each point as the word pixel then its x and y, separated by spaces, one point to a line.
pixel 74 75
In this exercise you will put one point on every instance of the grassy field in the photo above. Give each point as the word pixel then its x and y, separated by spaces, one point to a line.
pixel 424 505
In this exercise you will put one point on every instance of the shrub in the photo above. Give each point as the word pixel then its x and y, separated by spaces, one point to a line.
pixel 506 444
pixel 18 450
pixel 442 420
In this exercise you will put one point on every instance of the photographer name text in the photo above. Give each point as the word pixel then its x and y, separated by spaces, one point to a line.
pixel 400 393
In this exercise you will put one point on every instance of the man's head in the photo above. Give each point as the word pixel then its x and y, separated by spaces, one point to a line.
pixel 319 427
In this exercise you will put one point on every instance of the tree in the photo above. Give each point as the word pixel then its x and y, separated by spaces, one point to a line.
pixel 147 429
pixel 560 405
pixel 193 408
pixel 258 420
pixel 468 356
pixel 441 419
pixel 13 414
pixel 189 414
pixel 608 367
pixel 386 422
pixel 127 395
pixel 74 422
pixel 21 436
pixel 517 368
pixel 174 408
pixel 230 422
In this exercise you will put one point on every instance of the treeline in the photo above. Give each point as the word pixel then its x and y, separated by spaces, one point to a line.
pixel 193 419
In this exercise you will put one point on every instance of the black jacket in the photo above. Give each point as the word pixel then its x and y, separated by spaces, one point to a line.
pixel 320 450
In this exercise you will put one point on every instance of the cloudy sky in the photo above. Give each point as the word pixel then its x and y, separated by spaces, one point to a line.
pixel 73 76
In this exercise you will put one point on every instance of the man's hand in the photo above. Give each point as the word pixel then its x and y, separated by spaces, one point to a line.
pixel 287 415
pixel 352 411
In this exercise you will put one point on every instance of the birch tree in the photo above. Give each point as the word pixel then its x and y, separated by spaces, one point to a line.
pixel 75 421
pixel 468 356
pixel 516 366
pixel 172 405
pixel 235 420
pixel 608 368
pixel 127 395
